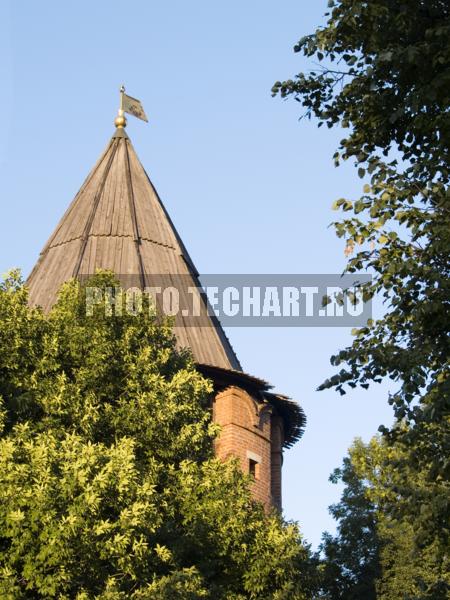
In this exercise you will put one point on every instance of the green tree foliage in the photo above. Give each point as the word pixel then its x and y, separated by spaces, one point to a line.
pixel 383 74
pixel 350 563
pixel 373 554
pixel 108 485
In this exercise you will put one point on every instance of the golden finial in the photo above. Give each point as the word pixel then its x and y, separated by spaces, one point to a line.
pixel 120 121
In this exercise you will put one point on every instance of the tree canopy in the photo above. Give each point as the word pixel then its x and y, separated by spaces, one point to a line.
pixel 381 71
pixel 373 554
pixel 108 484
pixel 350 563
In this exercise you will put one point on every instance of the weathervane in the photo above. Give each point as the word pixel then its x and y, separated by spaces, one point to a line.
pixel 129 105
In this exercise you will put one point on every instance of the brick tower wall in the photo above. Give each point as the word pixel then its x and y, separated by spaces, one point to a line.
pixel 276 458
pixel 247 435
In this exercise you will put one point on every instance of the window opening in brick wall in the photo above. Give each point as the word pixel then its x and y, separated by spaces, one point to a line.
pixel 253 468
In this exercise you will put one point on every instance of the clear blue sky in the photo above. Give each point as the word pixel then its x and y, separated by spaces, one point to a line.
pixel 248 186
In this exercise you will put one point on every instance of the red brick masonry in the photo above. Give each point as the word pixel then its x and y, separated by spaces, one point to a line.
pixel 254 434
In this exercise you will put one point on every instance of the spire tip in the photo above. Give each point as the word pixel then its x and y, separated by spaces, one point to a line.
pixel 120 121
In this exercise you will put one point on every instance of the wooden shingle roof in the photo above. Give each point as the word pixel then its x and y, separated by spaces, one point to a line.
pixel 117 222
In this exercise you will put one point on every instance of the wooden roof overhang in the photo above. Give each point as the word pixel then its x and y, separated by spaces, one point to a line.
pixel 294 418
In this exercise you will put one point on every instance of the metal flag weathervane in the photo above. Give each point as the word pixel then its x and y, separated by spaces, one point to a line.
pixel 129 105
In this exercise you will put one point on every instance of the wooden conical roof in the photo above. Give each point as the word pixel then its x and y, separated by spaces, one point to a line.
pixel 117 222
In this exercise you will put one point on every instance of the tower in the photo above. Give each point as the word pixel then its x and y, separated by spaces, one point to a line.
pixel 117 222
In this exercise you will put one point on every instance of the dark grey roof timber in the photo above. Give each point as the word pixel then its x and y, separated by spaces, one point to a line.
pixel 117 222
